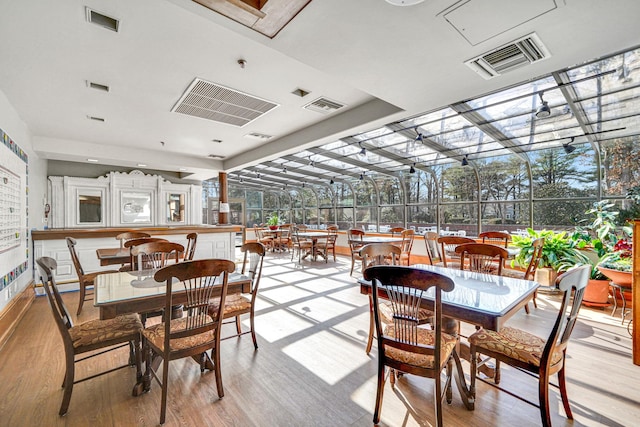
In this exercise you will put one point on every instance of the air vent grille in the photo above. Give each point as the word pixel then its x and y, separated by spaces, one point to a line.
pixel 324 105
pixel 214 102
pixel 524 51
pixel 102 20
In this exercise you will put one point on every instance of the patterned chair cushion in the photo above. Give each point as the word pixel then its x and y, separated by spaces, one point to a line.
pixel 514 343
pixel 386 314
pixel 425 337
pixel 233 303
pixel 155 335
pixel 101 331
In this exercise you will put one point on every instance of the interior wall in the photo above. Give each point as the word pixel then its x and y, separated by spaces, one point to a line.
pixel 94 170
pixel 13 126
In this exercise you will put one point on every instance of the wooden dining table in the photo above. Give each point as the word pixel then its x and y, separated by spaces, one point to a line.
pixel 113 256
pixel 138 292
pixel 314 236
pixel 484 300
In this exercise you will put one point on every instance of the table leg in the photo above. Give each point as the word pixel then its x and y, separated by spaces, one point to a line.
pixel 452 327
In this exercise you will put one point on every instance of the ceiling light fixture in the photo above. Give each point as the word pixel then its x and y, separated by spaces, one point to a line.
pixel 331 182
pixel 303 183
pixel 92 160
pixel 258 175
pixel 465 161
pixel 363 151
pixel 404 2
pixel 568 148
pixel 412 169
pixel 284 169
pixel 142 165
pixel 544 110
pixel 419 137
pixel 361 176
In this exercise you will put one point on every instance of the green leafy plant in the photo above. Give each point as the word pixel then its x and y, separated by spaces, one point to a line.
pixel 558 252
pixel 274 219
pixel 598 229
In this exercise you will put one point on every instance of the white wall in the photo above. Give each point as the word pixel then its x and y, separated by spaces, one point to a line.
pixel 12 125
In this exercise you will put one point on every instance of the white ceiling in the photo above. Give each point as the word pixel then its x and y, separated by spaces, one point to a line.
pixel 384 62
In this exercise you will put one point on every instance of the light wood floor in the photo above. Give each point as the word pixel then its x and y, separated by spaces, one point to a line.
pixel 310 370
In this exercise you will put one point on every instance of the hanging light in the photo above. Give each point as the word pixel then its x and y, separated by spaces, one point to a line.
pixel 258 175
pixel 303 184
pixel 568 148
pixel 331 182
pixel 412 169
pixel 465 161
pixel 363 151
pixel 544 110
pixel 284 169
pixel 311 162
pixel 419 137
pixel 361 176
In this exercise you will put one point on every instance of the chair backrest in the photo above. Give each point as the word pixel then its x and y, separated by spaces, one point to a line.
pixel 128 235
pixel 153 255
pixel 573 281
pixel 431 243
pixel 536 254
pixel 405 288
pixel 482 257
pixel 499 238
pixel 407 240
pixel 190 251
pixel 61 315
pixel 252 263
pixel 396 230
pixel 135 242
pixel 355 239
pixel 333 227
pixel 71 244
pixel 448 246
pixel 199 279
pixel 380 254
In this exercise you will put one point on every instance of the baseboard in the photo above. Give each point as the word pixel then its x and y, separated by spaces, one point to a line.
pixel 14 312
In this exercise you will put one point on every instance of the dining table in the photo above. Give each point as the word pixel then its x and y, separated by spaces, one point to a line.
pixel 113 256
pixel 484 300
pixel 314 236
pixel 138 292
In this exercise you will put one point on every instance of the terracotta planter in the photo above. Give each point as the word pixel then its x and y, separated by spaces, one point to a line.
pixel 596 294
pixel 622 278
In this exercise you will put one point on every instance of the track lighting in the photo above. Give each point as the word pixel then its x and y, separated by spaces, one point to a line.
pixel 465 161
pixel 568 148
pixel 412 169
pixel 363 151
pixel 544 110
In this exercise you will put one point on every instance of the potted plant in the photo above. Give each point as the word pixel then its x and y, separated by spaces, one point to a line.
pixel 558 252
pixel 273 221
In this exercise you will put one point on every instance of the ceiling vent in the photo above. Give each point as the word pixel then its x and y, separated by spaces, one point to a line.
pixel 221 104
pixel 524 51
pixel 102 20
pixel 324 106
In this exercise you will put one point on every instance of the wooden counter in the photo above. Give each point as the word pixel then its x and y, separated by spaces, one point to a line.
pixel 213 242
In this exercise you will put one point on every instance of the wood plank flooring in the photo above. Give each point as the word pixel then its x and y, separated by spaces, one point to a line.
pixel 310 369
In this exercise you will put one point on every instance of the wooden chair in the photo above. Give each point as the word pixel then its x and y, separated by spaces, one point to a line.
pixel 197 331
pixel 299 244
pixel 530 272
pixel 384 254
pixel 135 242
pixel 404 347
pixel 482 257
pixel 448 244
pixel 354 236
pixel 407 243
pixel 396 230
pixel 105 335
pixel 283 240
pixel 154 255
pixel 531 353
pixel 123 237
pixel 85 280
pixel 261 237
pixel 431 243
pixel 190 251
pixel 329 244
pixel 236 305
pixel 498 238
